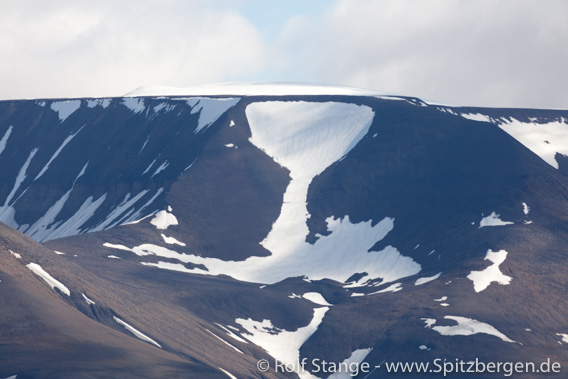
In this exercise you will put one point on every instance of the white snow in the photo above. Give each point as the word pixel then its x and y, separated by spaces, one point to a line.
pixel 306 138
pixel 4 139
pixel 150 165
pixel 476 117
pixel 222 340
pixel 281 344
pixel 231 334
pixel 545 140
pixel 98 102
pixel 163 220
pixel 229 145
pixel 231 124
pixel 444 304
pixel 564 337
pixel 493 220
pixel 160 169
pixel 113 257
pixel 429 322
pixel 72 226
pixel 65 142
pixel 482 279
pixel 392 288
pixel 115 246
pixel 172 240
pixel 136 105
pixel 316 298
pixel 443 298
pixel 421 281
pixel 227 373
pixel 20 178
pixel 46 226
pixel 58 252
pixel 113 218
pixel 210 109
pixel 423 347
pixel 466 327
pixel 257 89
pixel 15 255
pixel 65 108
pixel 526 209
pixel 137 333
pixel 50 280
pixel 89 301
pixel 354 360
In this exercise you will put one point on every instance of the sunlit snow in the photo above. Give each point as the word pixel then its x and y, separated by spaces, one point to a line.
pixel 353 360
pixel 89 301
pixel 305 138
pixel 466 327
pixel 281 344
pixel 50 280
pixel 316 298
pixel 210 109
pixel 482 279
pixel 63 144
pixel 163 220
pixel 493 220
pixel 172 240
pixel 425 280
pixel 137 333
pixel 545 140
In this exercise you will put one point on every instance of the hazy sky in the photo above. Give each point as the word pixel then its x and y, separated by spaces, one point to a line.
pixel 483 52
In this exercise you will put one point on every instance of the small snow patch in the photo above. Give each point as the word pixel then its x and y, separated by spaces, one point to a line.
pixel 137 333
pixel 423 347
pixel 136 105
pixel 65 108
pixel 526 209
pixel 482 279
pixel 421 281
pixel 564 337
pixel 443 298
pixel 229 145
pixel 113 257
pixel 493 220
pixel 466 327
pixel 476 117
pixel 16 255
pixel 222 340
pixel 227 373
pixel 50 280
pixel 316 298
pixel 172 240
pixel 163 220
pixel 445 304
pixel 58 252
pixel 89 301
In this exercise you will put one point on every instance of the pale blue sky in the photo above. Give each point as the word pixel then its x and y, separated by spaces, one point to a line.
pixel 484 52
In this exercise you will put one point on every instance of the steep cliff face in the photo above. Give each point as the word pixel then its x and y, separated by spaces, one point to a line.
pixel 240 225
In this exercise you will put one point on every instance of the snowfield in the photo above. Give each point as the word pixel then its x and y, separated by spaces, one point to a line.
pixel 305 138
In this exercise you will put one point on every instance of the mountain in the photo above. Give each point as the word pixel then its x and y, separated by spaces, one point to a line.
pixel 319 227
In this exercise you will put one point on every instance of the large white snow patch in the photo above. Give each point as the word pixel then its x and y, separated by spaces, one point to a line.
pixel 306 138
